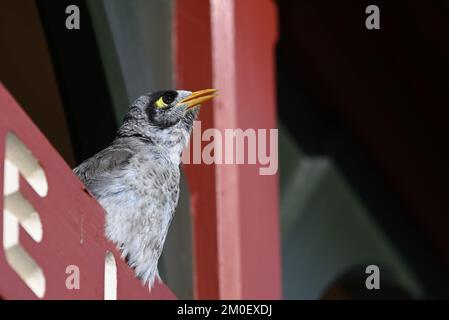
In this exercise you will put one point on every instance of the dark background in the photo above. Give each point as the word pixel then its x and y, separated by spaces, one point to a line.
pixel 376 101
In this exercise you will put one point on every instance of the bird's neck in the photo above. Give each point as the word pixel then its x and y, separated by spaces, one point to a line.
pixel 171 143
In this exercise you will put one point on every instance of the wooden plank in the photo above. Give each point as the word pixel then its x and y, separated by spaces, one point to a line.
pixel 229 45
pixel 72 223
pixel 193 66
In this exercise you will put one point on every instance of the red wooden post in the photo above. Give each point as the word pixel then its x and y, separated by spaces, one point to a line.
pixel 72 223
pixel 229 45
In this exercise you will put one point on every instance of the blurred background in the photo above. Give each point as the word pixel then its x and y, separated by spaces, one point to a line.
pixel 362 117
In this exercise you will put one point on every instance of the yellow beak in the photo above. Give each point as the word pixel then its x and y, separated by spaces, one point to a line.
pixel 198 97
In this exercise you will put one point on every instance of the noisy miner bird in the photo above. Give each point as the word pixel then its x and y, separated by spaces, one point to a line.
pixel 136 178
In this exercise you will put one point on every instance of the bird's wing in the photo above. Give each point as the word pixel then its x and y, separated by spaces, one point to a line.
pixel 99 170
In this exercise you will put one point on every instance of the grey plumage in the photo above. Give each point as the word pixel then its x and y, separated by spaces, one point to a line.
pixel 136 178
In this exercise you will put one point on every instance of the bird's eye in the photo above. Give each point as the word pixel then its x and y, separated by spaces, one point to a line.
pixel 168 98
pixel 164 101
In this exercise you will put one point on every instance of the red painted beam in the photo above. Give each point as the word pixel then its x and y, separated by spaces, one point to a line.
pixel 193 64
pixel 229 45
pixel 72 224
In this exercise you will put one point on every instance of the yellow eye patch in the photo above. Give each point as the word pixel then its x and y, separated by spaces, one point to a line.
pixel 160 103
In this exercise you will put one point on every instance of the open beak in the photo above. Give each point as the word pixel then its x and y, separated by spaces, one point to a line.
pixel 198 97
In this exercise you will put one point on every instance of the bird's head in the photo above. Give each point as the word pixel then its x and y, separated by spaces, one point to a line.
pixel 165 109
pixel 164 117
